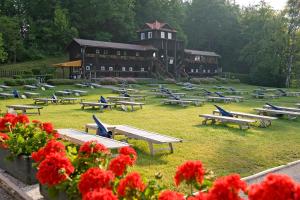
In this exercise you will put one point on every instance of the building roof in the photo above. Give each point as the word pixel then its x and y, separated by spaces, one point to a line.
pixel 157 26
pixel 201 53
pixel 113 45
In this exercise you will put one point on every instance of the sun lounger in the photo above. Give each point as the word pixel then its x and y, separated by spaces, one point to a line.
pixel 117 98
pixel 96 85
pixel 264 121
pixel 80 137
pixel 135 133
pixel 220 99
pixel 81 85
pixel 66 100
pixel 63 93
pixel 219 87
pixel 298 105
pixel 5 87
pixel 283 108
pixel 79 92
pixel 5 95
pixel 264 96
pixel 96 104
pixel 137 97
pixel 235 91
pixel 31 94
pixel 24 108
pixel 236 98
pixel 243 123
pixel 47 86
pixel 30 87
pixel 129 103
pixel 180 102
pixel 271 112
pixel 44 100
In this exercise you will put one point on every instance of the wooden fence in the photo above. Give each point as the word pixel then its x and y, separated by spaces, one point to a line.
pixel 10 73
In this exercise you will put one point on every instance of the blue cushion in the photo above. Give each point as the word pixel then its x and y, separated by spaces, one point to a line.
pixel 54 97
pixel 273 107
pixel 103 100
pixel 224 112
pixel 102 130
pixel 282 91
pixel 207 92
pixel 175 97
pixel 217 93
pixel 16 93
pixel 126 95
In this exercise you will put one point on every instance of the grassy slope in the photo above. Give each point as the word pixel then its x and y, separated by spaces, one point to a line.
pixel 33 64
pixel 224 149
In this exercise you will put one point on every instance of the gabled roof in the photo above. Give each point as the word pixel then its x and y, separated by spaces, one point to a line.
pixel 113 45
pixel 201 53
pixel 157 26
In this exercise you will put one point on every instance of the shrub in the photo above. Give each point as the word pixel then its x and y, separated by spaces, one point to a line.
pixel 63 81
pixel 108 81
pixel 10 82
pixel 20 81
pixel 17 76
pixel 222 80
pixel 30 81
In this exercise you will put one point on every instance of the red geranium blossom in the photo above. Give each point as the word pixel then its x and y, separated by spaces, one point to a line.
pixel 297 192
pixel 227 187
pixel 95 178
pixel 170 195
pixel 8 119
pixel 119 164
pixel 199 196
pixel 130 152
pixel 131 184
pixel 91 147
pixel 3 137
pixel 54 169
pixel 274 186
pixel 36 121
pixel 48 127
pixel 51 147
pixel 100 194
pixel 189 171
pixel 21 118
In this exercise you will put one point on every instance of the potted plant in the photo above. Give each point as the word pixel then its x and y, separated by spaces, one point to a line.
pixel 18 139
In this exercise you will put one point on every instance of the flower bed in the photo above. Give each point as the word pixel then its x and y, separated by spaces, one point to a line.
pixel 18 139
pixel 89 172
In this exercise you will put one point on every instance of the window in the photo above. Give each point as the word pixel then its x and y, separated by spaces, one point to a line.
pixel 197 58
pixel 204 71
pixel 110 68
pixel 171 61
pixel 123 69
pixel 208 71
pixel 87 68
pixel 162 34
pixel 142 36
pixel 142 69
pixel 216 71
pixel 105 52
pixel 118 53
pixel 192 70
pixel 197 70
pixel 97 51
pixel 149 35
pixel 102 68
pixel 154 55
pixel 169 36
pixel 125 53
pixel 130 69
pixel 137 53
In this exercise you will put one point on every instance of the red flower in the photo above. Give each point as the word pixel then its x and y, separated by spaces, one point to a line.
pixel 21 118
pixel 3 138
pixel 190 171
pixel 8 119
pixel 91 147
pixel 36 121
pixel 297 192
pixel 274 186
pixel 95 178
pixel 130 152
pixel 48 127
pixel 199 196
pixel 52 147
pixel 100 194
pixel 131 184
pixel 119 164
pixel 227 187
pixel 54 169
pixel 170 195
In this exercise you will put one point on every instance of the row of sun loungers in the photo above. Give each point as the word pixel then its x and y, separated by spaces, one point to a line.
pixel 24 108
pixel 63 100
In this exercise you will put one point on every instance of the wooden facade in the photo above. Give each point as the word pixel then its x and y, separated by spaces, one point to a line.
pixel 156 52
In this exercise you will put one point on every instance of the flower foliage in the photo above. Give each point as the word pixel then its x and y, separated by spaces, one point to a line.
pixel 131 186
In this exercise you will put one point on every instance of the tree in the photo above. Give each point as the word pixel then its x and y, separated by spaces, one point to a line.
pixel 3 54
pixel 293 11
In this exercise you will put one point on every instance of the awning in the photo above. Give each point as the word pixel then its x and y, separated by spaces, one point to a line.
pixel 76 63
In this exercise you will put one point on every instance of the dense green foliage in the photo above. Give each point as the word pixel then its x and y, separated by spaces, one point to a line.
pixel 255 40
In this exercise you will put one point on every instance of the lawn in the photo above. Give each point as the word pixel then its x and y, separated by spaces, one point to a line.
pixel 223 149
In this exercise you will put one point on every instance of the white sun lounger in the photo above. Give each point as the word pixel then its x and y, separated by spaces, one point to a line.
pixel 270 112
pixel 6 95
pixel 243 123
pixel 264 121
pixel 31 94
pixel 80 137
pixel 30 87
pixel 284 108
pixel 5 87
pixel 130 104
pixel 220 99
pixel 44 100
pixel 63 93
pixel 96 104
pixel 139 134
pixel 24 108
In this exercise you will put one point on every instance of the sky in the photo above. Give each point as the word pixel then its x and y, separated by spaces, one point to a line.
pixel 276 4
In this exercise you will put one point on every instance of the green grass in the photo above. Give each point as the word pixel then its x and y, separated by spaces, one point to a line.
pixel 224 149
pixel 36 64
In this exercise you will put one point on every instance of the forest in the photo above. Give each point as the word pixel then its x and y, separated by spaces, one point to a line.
pixel 256 40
